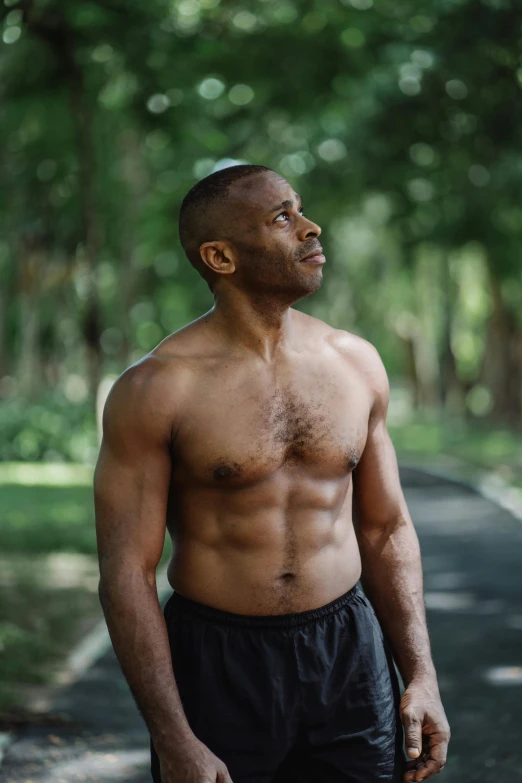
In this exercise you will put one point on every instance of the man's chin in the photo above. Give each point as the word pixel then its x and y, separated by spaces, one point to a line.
pixel 314 281
pixel 309 283
pixel 289 290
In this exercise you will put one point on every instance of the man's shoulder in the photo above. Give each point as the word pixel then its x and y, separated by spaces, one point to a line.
pixel 355 348
pixel 357 352
pixel 364 358
pixel 170 363
pixel 350 346
pixel 156 384
pixel 136 402
pixel 144 377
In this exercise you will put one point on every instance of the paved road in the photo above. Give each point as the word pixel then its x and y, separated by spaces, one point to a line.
pixel 472 552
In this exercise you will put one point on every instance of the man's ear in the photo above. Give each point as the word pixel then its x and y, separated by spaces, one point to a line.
pixel 218 256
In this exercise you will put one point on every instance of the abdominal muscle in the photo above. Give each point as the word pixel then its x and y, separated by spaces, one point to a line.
pixel 265 562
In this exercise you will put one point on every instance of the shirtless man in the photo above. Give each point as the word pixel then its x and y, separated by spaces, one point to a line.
pixel 248 434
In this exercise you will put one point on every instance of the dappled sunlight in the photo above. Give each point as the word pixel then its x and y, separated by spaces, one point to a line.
pixel 67 569
pixel 449 602
pixel 111 766
pixel 461 602
pixel 491 606
pixel 494 487
pixel 49 572
pixel 55 474
pixel 450 515
pixel 504 675
pixel 434 563
pixel 444 581
pixel 514 621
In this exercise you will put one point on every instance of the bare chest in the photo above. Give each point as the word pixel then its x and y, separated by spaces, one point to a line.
pixel 239 434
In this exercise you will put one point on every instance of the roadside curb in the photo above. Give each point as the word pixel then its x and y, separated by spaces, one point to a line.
pixel 488 485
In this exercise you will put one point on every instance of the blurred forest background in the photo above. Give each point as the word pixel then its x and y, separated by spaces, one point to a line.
pixel 399 121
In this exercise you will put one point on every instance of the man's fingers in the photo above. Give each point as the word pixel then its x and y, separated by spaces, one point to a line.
pixel 437 751
pixel 439 746
pixel 415 763
pixel 409 776
pixel 223 776
pixel 424 768
pixel 413 731
pixel 425 771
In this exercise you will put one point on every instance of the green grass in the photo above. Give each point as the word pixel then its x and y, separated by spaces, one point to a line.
pixel 482 448
pixel 42 616
pixel 48 572
pixel 47 519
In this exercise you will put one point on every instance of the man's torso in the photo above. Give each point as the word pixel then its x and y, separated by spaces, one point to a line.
pixel 260 502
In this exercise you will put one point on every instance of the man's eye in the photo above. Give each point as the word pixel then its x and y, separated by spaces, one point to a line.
pixel 285 215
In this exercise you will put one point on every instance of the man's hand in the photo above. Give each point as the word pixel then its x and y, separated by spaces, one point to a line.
pixel 426 728
pixel 192 762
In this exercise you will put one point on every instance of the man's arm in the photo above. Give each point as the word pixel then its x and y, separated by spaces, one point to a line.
pixel 131 484
pixel 392 580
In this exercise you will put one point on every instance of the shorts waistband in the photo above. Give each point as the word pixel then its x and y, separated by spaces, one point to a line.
pixel 178 602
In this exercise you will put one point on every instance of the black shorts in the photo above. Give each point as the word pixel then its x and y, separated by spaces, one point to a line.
pixel 311 697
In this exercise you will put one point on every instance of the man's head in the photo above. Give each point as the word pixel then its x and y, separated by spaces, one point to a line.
pixel 243 226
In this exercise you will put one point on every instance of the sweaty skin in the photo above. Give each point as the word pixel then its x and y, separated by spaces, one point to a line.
pixel 256 436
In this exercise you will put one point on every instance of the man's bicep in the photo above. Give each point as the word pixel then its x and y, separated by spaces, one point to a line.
pixel 378 500
pixel 131 480
pixel 377 492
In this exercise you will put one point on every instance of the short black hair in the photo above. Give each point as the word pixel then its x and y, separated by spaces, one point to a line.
pixel 198 211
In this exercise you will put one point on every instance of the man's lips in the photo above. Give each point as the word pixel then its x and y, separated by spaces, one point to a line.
pixel 315 257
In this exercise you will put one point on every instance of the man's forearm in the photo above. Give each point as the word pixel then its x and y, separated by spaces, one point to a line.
pixel 139 636
pixel 392 579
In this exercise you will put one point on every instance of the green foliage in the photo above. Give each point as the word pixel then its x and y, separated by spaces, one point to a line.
pixel 428 435
pixel 51 429
pixel 398 126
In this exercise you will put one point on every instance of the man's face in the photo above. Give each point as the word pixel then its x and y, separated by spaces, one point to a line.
pixel 271 236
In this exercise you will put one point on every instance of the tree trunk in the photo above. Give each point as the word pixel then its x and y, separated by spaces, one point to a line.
pixel 135 176
pixel 58 35
pixel 91 230
pixel 411 365
pixel 3 340
pixel 451 391
pixel 425 343
pixel 501 370
pixel 32 261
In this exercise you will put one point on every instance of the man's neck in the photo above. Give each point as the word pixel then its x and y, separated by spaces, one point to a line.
pixel 259 325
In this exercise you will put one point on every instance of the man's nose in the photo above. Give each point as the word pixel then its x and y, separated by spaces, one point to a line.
pixel 309 229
